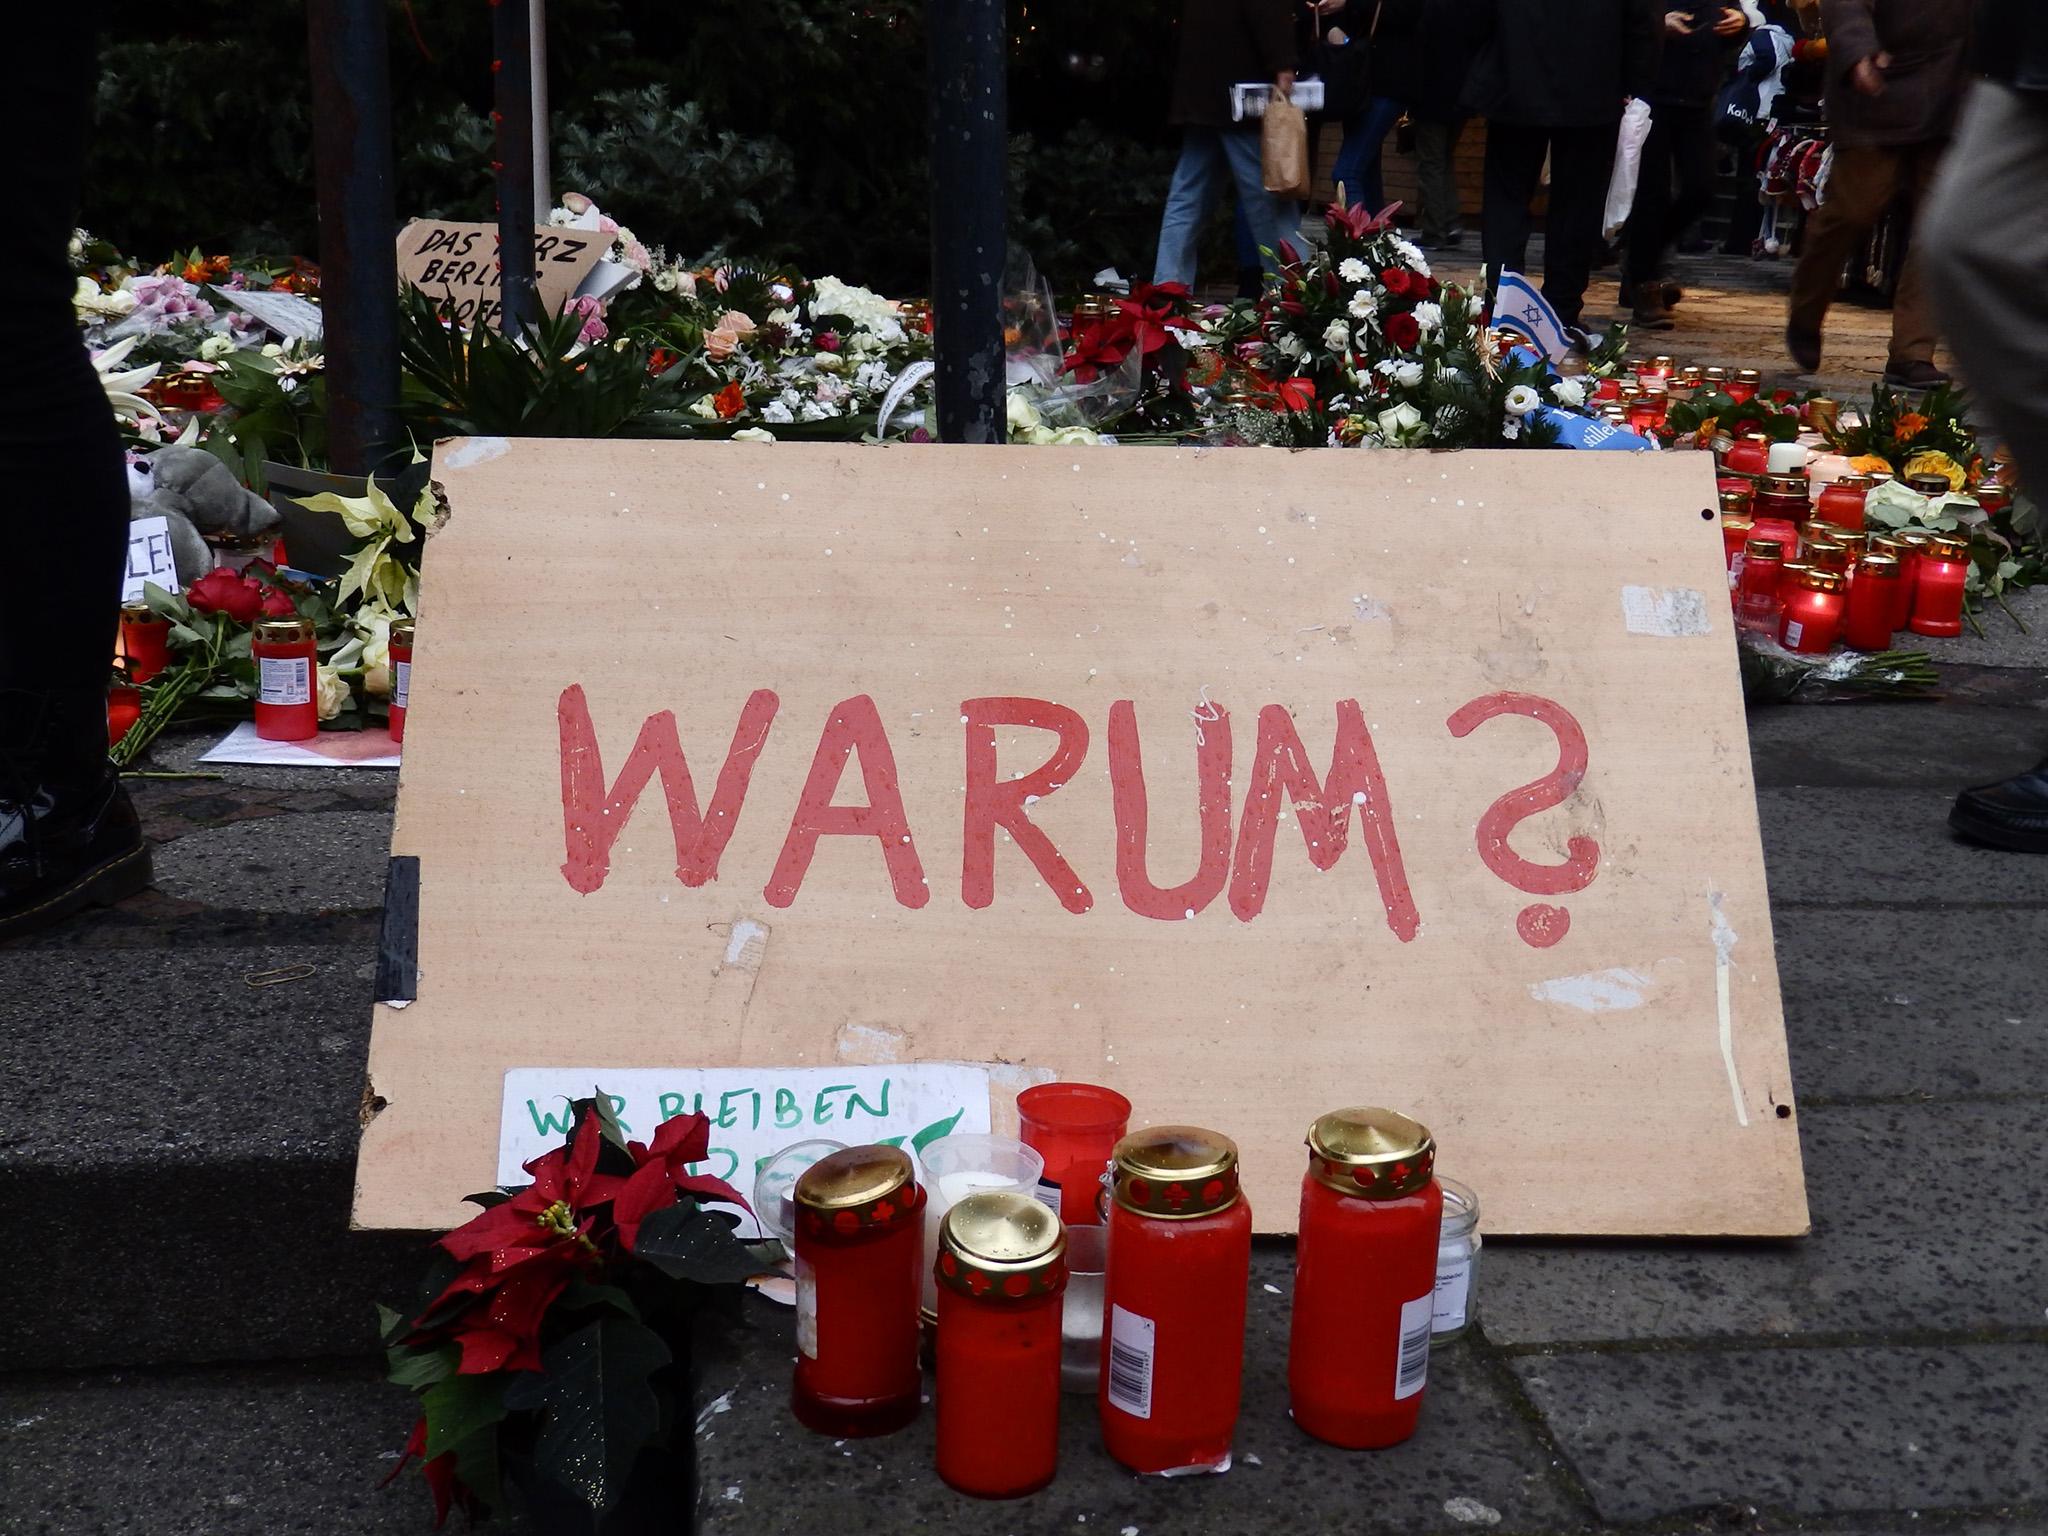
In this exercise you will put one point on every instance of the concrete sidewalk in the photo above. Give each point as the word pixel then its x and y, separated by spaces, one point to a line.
pixel 190 1335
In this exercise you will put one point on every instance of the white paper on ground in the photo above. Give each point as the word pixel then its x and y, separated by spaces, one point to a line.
pixel 371 748
pixel 754 1111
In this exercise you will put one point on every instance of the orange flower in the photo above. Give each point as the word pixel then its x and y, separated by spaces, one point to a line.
pixel 729 401
pixel 1910 426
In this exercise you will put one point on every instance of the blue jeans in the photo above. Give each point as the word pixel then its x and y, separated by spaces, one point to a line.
pixel 1205 155
pixel 1358 161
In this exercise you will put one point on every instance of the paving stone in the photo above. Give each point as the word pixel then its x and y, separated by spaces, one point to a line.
pixel 1884 847
pixel 1808 1431
pixel 207 1453
pixel 309 863
pixel 2003 643
pixel 179 752
pixel 1926 1218
pixel 1925 744
pixel 1896 1004
pixel 761 1473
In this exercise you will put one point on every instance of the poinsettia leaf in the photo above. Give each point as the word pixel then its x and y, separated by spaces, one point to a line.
pixel 612 1156
pixel 584 1293
pixel 390 1322
pixel 476 1463
pixel 597 1404
pixel 487 1199
pixel 420 1367
pixel 687 1242
pixel 460 1407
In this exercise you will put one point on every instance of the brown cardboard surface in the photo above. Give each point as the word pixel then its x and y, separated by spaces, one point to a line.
pixel 456 263
pixel 1594 1086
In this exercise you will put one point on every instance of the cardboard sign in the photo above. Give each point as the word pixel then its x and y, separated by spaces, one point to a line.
pixel 754 1113
pixel 1250 784
pixel 457 265
pixel 150 558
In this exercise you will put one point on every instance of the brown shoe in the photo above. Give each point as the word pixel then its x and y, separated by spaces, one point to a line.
pixel 1649 313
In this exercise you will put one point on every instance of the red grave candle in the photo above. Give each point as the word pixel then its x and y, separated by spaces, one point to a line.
pixel 146 642
pixel 1756 596
pixel 1938 580
pixel 859 1264
pixel 1001 1271
pixel 124 708
pixel 1872 596
pixel 401 674
pixel 1735 533
pixel 1749 455
pixel 1841 501
pixel 287 708
pixel 1364 1278
pixel 1744 385
pixel 1812 606
pixel 1180 1247
pixel 1908 547
pixel 1075 1127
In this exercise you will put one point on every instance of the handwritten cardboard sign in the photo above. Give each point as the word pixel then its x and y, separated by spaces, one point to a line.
pixel 754 1113
pixel 150 558
pixel 1251 784
pixel 457 265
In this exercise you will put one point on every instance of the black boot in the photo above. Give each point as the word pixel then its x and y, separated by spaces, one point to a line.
pixel 2012 814
pixel 68 836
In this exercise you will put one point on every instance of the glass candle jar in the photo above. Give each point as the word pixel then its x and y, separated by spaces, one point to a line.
pixel 401 674
pixel 1180 1248
pixel 1744 385
pixel 286 709
pixel 1867 623
pixel 1841 501
pixel 1457 1261
pixel 1608 388
pixel 1748 455
pixel 145 641
pixel 1783 496
pixel 1737 496
pixel 1756 597
pixel 775 1186
pixel 1938 583
pixel 1001 1272
pixel 1822 414
pixel 1929 484
pixel 1994 489
pixel 1084 1305
pixel 1827 555
pixel 859 1263
pixel 1716 379
pixel 955 1167
pixel 1659 367
pixel 1812 605
pixel 1735 532
pixel 1074 1127
pixel 1364 1278
pixel 1693 374
pixel 1905 548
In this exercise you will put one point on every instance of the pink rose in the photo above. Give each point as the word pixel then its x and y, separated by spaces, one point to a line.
pixel 732 320
pixel 719 344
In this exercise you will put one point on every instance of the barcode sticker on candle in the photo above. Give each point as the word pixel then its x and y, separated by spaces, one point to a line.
pixel 1130 1360
pixel 1453 1285
pixel 806 1309
pixel 284 680
pixel 1047 1194
pixel 1411 1369
pixel 1793 631
pixel 401 685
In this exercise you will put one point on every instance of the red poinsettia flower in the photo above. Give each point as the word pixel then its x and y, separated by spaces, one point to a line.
pixel 1097 349
pixel 228 592
pixel 1152 325
pixel 664 1173
pixel 449 1490
pixel 1297 394
pixel 1403 331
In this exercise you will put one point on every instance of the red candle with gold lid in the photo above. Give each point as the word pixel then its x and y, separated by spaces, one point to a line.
pixel 1841 501
pixel 1735 532
pixel 287 663
pixel 1939 580
pixel 1180 1248
pixel 1812 603
pixel 1756 597
pixel 1364 1278
pixel 401 675
pixel 1909 543
pixel 1744 385
pixel 859 1268
pixel 1867 623
pixel 1001 1270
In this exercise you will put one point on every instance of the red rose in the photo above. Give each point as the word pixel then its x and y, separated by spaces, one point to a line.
pixel 1395 280
pixel 828 341
pixel 224 591
pixel 279 605
pixel 1402 331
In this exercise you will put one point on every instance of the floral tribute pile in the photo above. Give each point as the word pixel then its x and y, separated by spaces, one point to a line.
pixel 543 1348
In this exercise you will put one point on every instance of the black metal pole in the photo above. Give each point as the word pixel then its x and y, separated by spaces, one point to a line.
pixel 512 115
pixel 351 78
pixel 969 128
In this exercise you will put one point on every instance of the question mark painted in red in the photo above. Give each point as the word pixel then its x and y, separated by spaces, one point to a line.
pixel 1540 924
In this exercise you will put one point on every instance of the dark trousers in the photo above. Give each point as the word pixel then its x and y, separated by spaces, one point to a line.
pixel 1581 160
pixel 65 509
pixel 1674 186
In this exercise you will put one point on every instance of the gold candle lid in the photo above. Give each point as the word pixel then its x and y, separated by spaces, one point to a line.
pixel 1748 376
pixel 1660 361
pixel 1176 1171
pixel 1816 580
pixel 854 1179
pixel 1378 1154
pixel 1001 1243
pixel 1785 485
pixel 1763 549
pixel 1877 564
pixel 402 632
pixel 1942 546
pixel 1731 524
pixel 283 631
pixel 1929 485
pixel 1857 482
pixel 1716 375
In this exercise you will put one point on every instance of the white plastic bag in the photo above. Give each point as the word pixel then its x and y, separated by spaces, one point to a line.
pixel 1628 160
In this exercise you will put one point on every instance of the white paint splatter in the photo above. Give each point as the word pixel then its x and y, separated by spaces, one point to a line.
pixel 746 943
pixel 1371 610
pixel 1724 950
pixel 472 451
pixel 1670 612
pixel 711 1410
pixel 1608 991
pixel 1469 1511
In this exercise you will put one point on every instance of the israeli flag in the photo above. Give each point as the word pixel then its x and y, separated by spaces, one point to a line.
pixel 1518 307
pixel 1576 431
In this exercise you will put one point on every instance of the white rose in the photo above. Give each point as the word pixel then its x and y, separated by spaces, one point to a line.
pixel 214 348
pixel 1408 375
pixel 1337 336
pixel 1568 392
pixel 272 349
pixel 778 411
pixel 1386 366
pixel 1361 305
pixel 702 406
pixel 331 693
pixel 1293 346
pixel 1352 270
pixel 1397 424
pixel 1023 416
pixel 1075 437
pixel 1522 400
pixel 828 362
pixel 753 435
pixel 1430 317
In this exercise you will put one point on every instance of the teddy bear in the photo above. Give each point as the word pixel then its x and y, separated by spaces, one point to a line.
pixel 196 495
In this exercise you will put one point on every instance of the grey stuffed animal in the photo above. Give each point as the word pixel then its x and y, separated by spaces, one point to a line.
pixel 196 495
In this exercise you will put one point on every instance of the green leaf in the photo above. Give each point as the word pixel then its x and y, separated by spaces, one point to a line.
pixel 460 1407
pixel 936 1129
pixel 598 1407
pixel 586 1293
pixel 688 1242
pixel 416 1367
pixel 390 1322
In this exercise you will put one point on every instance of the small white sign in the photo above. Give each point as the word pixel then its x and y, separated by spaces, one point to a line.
pixel 291 316
pixel 754 1111
pixel 1669 612
pixel 150 558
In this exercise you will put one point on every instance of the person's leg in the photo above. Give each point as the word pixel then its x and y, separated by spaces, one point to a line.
pixel 1189 200
pixel 1357 169
pixel 1436 143
pixel 1643 237
pixel 1692 163
pixel 1914 331
pixel 68 836
pixel 1272 219
pixel 1249 271
pixel 1581 161
pixel 1514 162
pixel 1859 186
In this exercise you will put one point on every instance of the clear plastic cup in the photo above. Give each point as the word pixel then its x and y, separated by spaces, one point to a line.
pixel 1081 1315
pixel 1075 1126
pixel 774 1200
pixel 955 1167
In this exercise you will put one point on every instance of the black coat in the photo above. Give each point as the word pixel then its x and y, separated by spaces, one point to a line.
pixel 1696 64
pixel 1421 52
pixel 1225 43
pixel 1563 63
